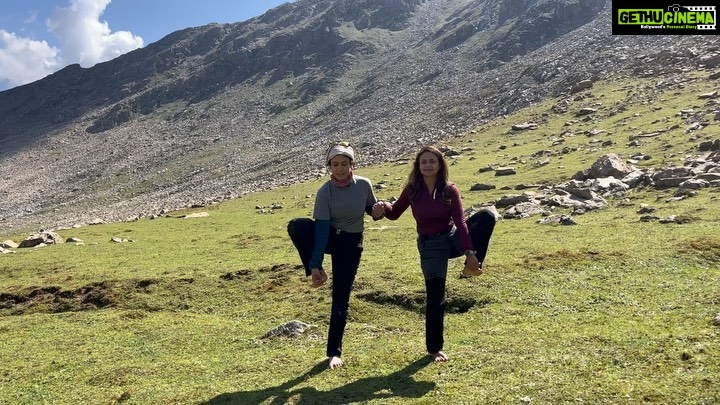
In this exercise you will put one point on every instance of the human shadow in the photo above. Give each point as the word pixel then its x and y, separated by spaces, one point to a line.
pixel 398 384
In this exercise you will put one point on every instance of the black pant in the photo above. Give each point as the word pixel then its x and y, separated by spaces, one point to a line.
pixel 345 250
pixel 434 314
pixel 302 235
pixel 434 254
pixel 481 226
pixel 345 256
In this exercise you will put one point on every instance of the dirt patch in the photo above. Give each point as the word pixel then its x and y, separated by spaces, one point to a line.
pixel 276 270
pixel 240 274
pixel 276 280
pixel 93 296
pixel 269 278
pixel 279 267
pixel 144 285
pixel 55 299
pixel 457 303
pixel 410 301
pixel 706 248
pixel 559 258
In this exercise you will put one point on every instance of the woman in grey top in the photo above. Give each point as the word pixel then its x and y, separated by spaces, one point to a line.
pixel 340 205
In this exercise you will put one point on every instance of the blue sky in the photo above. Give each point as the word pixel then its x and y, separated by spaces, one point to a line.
pixel 39 37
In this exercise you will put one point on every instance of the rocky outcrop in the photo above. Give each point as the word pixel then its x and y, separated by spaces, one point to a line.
pixel 41 238
pixel 607 166
pixel 590 189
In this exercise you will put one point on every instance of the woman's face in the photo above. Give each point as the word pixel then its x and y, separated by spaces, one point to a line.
pixel 340 167
pixel 429 164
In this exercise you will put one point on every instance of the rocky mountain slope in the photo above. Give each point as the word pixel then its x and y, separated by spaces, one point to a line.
pixel 212 112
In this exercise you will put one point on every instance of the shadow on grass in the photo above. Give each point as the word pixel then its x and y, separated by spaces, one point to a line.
pixel 397 384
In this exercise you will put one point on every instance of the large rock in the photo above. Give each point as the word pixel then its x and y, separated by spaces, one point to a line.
pixel 292 328
pixel 672 176
pixel 45 237
pixel 610 165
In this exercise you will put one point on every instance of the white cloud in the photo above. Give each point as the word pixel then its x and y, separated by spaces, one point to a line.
pixel 24 60
pixel 82 39
pixel 86 40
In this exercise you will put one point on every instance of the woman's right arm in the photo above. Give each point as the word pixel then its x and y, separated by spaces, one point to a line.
pixel 322 233
pixel 394 210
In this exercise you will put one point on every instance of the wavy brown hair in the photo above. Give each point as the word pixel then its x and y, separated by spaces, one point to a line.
pixel 415 182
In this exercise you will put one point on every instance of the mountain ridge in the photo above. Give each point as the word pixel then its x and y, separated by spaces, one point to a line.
pixel 213 112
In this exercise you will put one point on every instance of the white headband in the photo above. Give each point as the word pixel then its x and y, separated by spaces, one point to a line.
pixel 340 150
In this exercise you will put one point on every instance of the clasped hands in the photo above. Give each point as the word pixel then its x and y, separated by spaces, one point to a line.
pixel 378 210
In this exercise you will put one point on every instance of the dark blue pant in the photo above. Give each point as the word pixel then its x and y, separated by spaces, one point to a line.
pixel 435 251
pixel 345 256
pixel 302 235
pixel 345 250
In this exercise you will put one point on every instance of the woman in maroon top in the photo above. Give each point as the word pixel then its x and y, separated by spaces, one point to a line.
pixel 443 233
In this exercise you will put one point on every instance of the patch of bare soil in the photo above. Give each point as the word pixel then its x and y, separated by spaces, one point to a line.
pixel 93 296
pixel 276 277
pixel 706 248
pixel 54 299
pixel 415 301
pixel 278 271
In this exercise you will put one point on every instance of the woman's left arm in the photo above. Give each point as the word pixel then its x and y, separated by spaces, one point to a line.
pixel 371 207
pixel 473 267
pixel 457 213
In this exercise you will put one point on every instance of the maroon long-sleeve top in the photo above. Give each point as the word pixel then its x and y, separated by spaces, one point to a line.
pixel 433 214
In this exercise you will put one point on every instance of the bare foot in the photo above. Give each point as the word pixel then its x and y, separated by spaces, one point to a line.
pixel 335 362
pixel 319 277
pixel 440 357
pixel 472 272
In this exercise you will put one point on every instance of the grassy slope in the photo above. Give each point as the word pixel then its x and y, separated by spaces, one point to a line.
pixel 612 310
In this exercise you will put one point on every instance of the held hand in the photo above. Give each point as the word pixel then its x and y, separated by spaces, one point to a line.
pixel 318 277
pixel 378 210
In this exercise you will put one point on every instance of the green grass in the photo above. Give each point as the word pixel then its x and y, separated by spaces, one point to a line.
pixel 610 311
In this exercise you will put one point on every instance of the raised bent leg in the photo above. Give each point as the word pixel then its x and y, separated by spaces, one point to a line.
pixel 481 226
